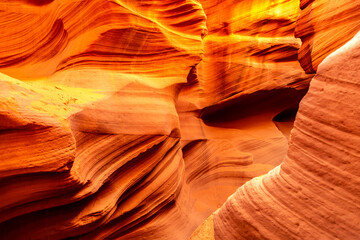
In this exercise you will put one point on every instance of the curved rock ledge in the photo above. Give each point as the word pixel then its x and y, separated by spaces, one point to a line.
pixel 137 119
pixel 314 193
pixel 323 27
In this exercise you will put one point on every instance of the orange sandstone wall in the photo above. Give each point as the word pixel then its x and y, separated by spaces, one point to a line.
pixel 129 119
pixel 314 193
pixel 324 26
pixel 234 121
pixel 90 140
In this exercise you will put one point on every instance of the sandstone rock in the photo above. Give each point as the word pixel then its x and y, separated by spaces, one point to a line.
pixel 250 47
pixel 91 138
pixel 313 194
pixel 323 27
pixel 121 119
pixel 232 96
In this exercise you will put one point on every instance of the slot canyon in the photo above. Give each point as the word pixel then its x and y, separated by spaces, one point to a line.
pixel 180 119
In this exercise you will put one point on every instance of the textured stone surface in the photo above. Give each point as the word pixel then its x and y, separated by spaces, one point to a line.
pixel 250 47
pixel 129 119
pixel 90 140
pixel 232 96
pixel 314 193
pixel 324 26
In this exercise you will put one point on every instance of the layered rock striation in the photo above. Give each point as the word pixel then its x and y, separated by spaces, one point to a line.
pixel 323 27
pixel 235 95
pixel 314 193
pixel 129 119
pixel 90 137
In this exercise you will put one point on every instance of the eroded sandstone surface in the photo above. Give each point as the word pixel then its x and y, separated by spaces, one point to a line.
pixel 133 119
pixel 314 193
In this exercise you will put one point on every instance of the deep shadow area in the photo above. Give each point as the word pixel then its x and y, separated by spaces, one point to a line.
pixel 282 103
pixel 38 2
pixel 288 115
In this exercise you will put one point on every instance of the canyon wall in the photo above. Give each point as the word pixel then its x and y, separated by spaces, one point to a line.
pixel 313 194
pixel 133 119
pixel 324 26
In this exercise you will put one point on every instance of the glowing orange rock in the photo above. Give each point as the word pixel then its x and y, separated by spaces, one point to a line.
pixel 129 122
pixel 91 138
pixel 232 96
pixel 314 193
pixel 250 47
pixel 323 27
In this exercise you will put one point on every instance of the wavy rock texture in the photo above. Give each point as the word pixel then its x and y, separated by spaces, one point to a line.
pixel 236 93
pixel 90 141
pixel 250 47
pixel 314 193
pixel 324 26
pixel 105 35
pixel 120 119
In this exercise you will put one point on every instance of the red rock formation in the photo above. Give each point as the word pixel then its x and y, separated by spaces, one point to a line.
pixel 102 34
pixel 250 47
pixel 269 208
pixel 90 140
pixel 249 67
pixel 323 27
pixel 120 119
pixel 314 193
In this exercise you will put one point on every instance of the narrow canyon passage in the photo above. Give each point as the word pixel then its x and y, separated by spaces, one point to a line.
pixel 172 119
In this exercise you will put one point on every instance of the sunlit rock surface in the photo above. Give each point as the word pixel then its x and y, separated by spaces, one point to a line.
pixel 235 96
pixel 314 193
pixel 250 47
pixel 286 205
pixel 132 119
pixel 90 139
pixel 324 26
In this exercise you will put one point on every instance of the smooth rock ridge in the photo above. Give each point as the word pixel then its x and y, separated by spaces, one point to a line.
pixel 315 192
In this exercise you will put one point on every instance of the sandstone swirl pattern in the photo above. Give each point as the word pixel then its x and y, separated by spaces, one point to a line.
pixel 136 119
pixel 90 140
pixel 227 108
pixel 324 26
pixel 314 193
